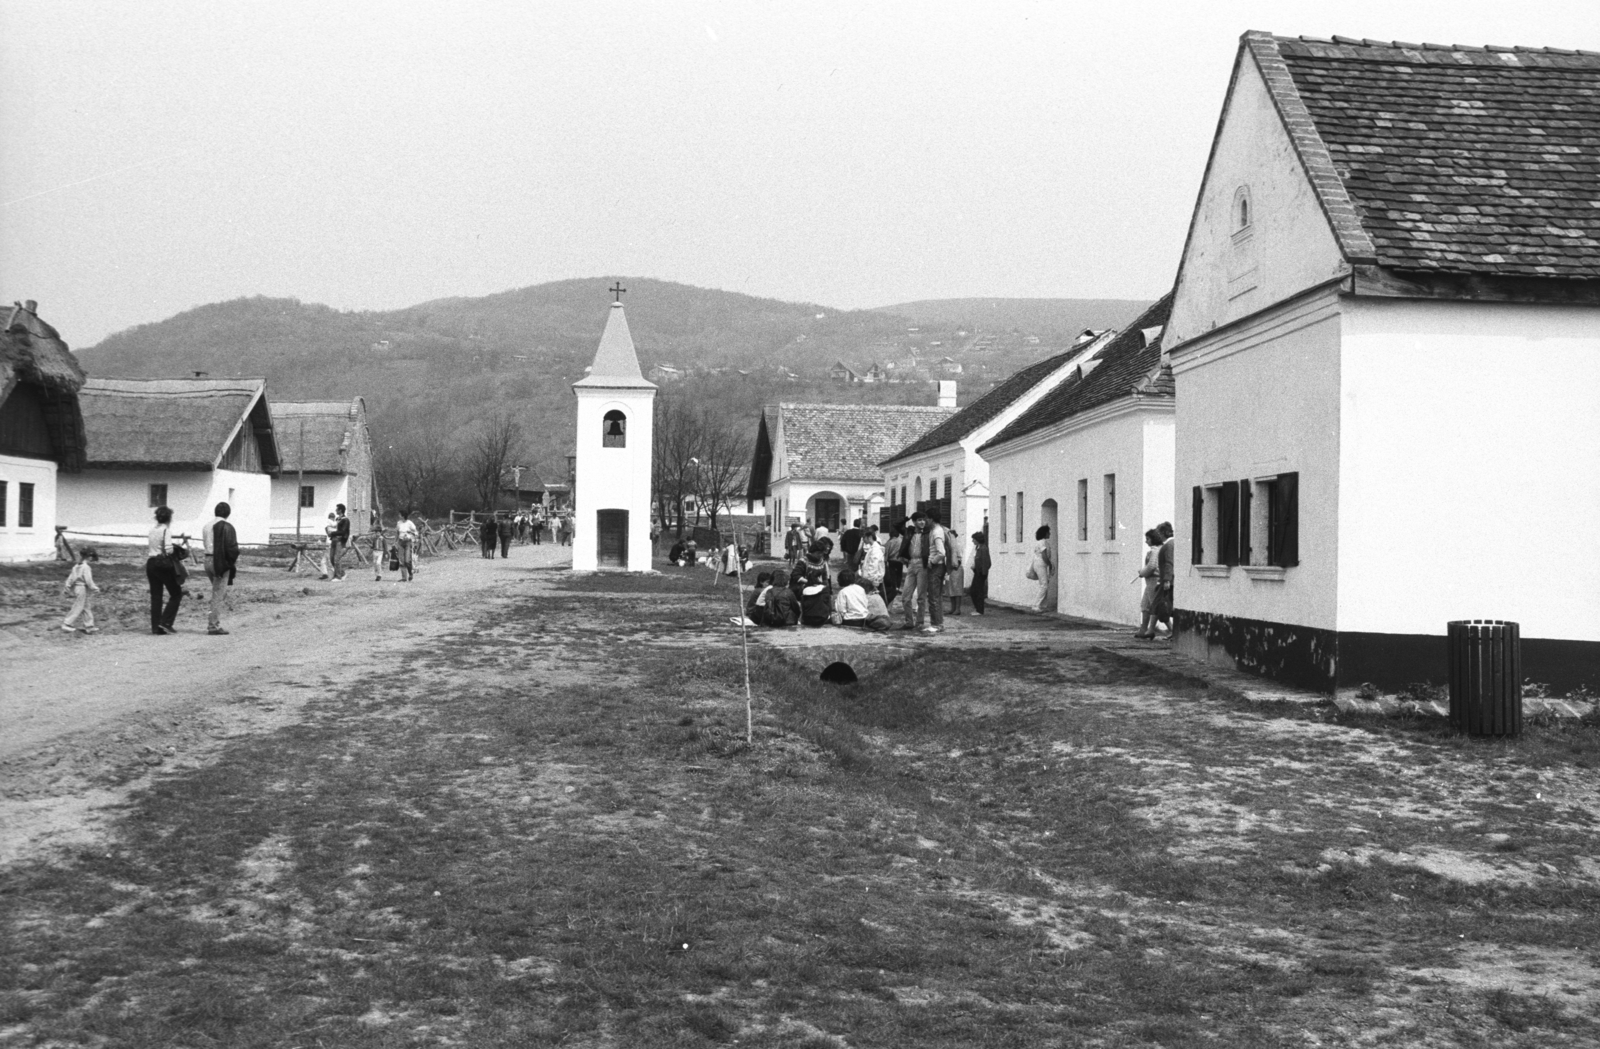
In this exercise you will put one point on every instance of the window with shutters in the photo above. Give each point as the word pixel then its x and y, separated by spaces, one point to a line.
pixel 1003 532
pixel 1110 504
pixel 1083 509
pixel 1019 517
pixel 1252 523
pixel 3 494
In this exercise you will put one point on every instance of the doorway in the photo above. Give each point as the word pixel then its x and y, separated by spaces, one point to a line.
pixel 1047 516
pixel 826 512
pixel 613 536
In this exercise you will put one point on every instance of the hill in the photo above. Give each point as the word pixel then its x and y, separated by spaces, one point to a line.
pixel 1047 318
pixel 464 359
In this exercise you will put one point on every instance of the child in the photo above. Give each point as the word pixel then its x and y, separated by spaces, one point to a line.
pixel 783 608
pixel 852 605
pixel 79 585
pixel 755 613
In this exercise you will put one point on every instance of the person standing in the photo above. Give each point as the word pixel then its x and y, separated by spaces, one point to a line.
pixel 978 589
pixel 1165 573
pixel 162 573
pixel 894 563
pixel 488 535
pixel 850 545
pixel 793 543
pixel 222 558
pixel 952 573
pixel 1151 574
pixel 406 539
pixel 927 553
pixel 80 586
pixel 872 564
pixel 503 526
pixel 1042 568
pixel 340 543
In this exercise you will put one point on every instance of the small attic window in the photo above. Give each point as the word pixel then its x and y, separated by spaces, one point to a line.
pixel 614 430
pixel 1241 209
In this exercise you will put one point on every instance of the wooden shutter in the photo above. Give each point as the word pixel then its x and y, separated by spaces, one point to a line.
pixel 1286 521
pixel 1245 496
pixel 1197 527
pixel 1228 523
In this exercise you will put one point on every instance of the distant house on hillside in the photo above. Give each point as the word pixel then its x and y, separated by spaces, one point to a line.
pixel 842 373
pixel 41 431
pixel 336 466
pixel 819 462
pixel 665 373
pixel 875 373
pixel 947 366
pixel 183 443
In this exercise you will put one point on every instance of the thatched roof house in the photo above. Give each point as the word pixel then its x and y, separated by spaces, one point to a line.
pixel 179 424
pixel 327 460
pixel 39 383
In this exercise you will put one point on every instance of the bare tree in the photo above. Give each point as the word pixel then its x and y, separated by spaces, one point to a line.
pixel 677 444
pixel 493 447
pixel 723 467
pixel 417 464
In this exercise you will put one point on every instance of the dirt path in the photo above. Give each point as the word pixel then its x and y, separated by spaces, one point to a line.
pixel 86 717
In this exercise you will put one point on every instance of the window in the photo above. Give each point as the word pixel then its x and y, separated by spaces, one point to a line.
pixel 949 491
pixel 1241 209
pixel 1235 522
pixel 933 489
pixel 1002 518
pixel 614 430
pixel 158 495
pixel 1019 517
pixel 919 495
pixel 308 496
pixel 1083 509
pixel 24 505
pixel 3 486
pixel 1110 486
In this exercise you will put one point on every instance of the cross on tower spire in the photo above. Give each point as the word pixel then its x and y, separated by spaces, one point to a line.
pixel 617 289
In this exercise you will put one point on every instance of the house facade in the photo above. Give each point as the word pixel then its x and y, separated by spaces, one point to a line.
pixel 326 449
pixel 41 431
pixel 1385 337
pixel 944 467
pixel 820 462
pixel 1093 460
pixel 187 444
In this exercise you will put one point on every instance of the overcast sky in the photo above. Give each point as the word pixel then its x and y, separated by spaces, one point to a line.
pixel 158 156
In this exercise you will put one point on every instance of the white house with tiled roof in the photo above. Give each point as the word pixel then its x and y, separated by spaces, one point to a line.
pixel 944 464
pixel 819 462
pixel 1385 338
pixel 327 460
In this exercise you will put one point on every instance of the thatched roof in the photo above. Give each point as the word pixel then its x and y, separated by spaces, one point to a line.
pixel 331 430
pixel 32 352
pixel 173 424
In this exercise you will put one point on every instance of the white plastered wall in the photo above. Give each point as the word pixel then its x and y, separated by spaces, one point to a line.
pixel 613 478
pixel 1228 273
pixel 330 491
pixel 37 541
pixel 116 503
pixel 1256 401
pixel 1469 467
pixel 1095 576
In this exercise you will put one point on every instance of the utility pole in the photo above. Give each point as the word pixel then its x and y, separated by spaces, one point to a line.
pixel 300 479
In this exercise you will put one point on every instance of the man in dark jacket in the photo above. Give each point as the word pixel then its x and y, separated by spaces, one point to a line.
pixel 339 544
pixel 222 557
pixel 850 545
pixel 503 527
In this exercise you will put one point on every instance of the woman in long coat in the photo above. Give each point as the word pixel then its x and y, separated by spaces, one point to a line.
pixel 1044 570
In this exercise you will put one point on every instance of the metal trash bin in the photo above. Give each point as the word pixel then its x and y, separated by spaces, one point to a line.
pixel 1486 677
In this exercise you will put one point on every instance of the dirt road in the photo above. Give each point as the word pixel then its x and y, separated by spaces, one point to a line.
pixel 86 716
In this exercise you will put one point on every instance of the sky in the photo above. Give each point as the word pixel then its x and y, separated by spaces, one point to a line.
pixel 158 156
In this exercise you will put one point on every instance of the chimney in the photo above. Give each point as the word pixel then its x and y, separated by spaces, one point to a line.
pixel 947 393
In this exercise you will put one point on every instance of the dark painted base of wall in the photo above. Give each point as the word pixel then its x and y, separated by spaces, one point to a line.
pixel 1327 661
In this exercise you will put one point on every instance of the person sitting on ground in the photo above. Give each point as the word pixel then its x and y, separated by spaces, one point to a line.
pixel 852 608
pixel 812 587
pixel 755 610
pixel 783 608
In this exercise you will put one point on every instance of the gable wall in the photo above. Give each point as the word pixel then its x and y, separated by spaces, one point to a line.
pixel 1226 273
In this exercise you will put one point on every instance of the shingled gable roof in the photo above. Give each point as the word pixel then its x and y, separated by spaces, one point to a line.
pixel 616 362
pixel 1129 366
pixel 331 429
pixel 985 408
pixel 1478 161
pixel 175 424
pixel 846 442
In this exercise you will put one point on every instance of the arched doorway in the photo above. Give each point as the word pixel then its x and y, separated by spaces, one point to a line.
pixel 826 508
pixel 1047 516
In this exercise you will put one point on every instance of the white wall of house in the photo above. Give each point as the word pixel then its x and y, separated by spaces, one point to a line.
pixel 1255 401
pixel 330 491
pixel 37 540
pixel 1131 441
pixel 792 500
pixel 116 503
pixel 1469 467
pixel 613 478
pixel 1229 272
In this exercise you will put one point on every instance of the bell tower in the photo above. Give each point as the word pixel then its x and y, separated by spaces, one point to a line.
pixel 611 508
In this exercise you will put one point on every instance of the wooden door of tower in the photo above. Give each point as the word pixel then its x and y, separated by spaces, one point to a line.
pixel 613 536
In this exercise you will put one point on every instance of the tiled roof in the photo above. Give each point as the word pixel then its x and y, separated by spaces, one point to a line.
pixel 1130 365
pixel 985 408
pixel 1469 160
pixel 846 442
pixel 330 430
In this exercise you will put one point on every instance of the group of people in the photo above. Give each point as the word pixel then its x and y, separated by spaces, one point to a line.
pixel 498 528
pixel 166 570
